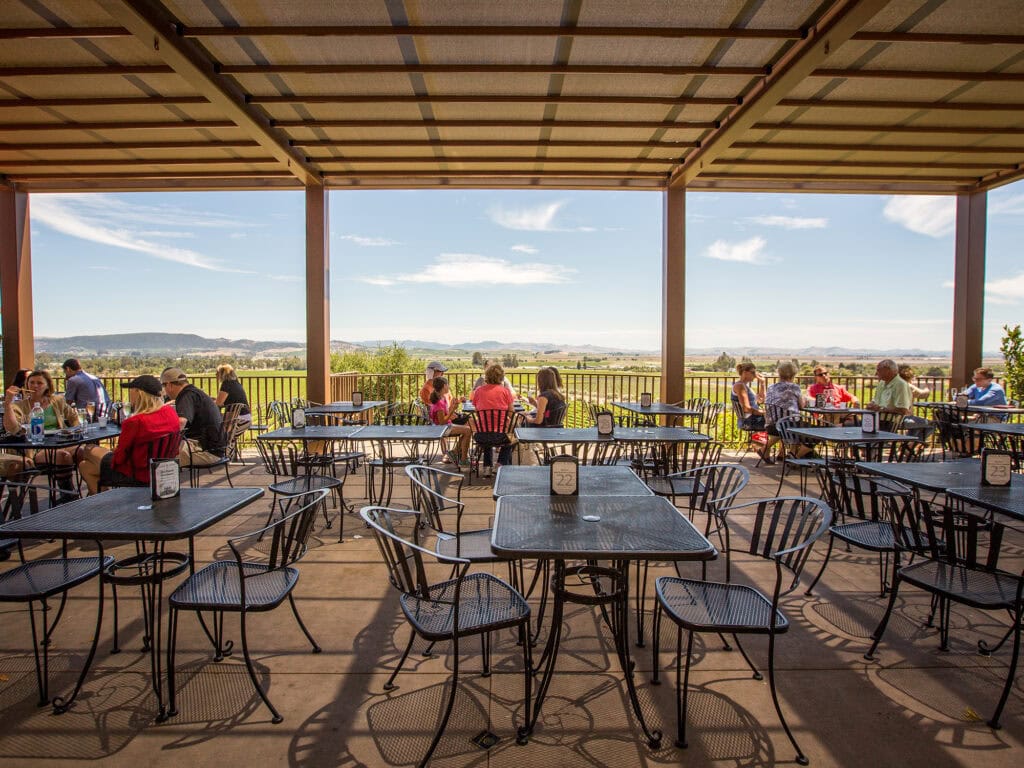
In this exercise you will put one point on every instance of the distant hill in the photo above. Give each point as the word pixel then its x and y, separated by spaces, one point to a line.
pixel 160 344
pixel 498 346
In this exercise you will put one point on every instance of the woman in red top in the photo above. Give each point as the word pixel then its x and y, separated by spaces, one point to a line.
pixel 492 395
pixel 129 461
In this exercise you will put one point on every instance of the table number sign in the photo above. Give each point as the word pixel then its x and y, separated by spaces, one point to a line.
pixel 962 400
pixel 357 398
pixel 996 467
pixel 565 476
pixel 645 400
pixel 869 423
pixel 299 418
pixel 605 424
pixel 164 478
pixel 819 400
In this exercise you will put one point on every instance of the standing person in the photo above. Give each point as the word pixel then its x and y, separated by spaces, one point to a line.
pixel 199 418
pixel 834 393
pixel 985 390
pixel 550 402
pixel 443 409
pixel 434 369
pixel 893 394
pixel 489 396
pixel 231 392
pixel 82 388
pixel 151 419
pixel 752 414
pixel 57 414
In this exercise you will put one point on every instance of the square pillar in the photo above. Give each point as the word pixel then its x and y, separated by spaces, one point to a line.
pixel 318 296
pixel 673 296
pixel 16 282
pixel 968 286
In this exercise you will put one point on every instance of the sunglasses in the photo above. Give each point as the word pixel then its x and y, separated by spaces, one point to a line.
pixel 821 373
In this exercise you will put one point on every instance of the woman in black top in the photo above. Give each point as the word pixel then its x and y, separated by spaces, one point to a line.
pixel 231 392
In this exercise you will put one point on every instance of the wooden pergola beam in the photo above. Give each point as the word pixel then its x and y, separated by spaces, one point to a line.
pixel 491 69
pixel 470 143
pixel 420 30
pixel 827 164
pixel 976 130
pixel 920 74
pixel 885 148
pixel 79 146
pixel 156 28
pixel 103 101
pixel 129 163
pixel 454 174
pixel 157 125
pixel 690 125
pixel 486 98
pixel 932 106
pixel 405 160
pixel 90 70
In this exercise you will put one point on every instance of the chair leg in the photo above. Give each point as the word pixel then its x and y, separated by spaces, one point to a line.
pixel 655 642
pixel 172 642
pixel 275 715
pixel 390 684
pixel 302 625
pixel 485 647
pixel 113 594
pixel 757 673
pixel 42 669
pixel 801 758
pixel 641 596
pixel 682 685
pixel 824 565
pixel 1010 672
pixel 880 630
pixel 450 705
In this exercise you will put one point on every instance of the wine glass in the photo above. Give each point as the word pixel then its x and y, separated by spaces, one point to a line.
pixel 90 410
pixel 82 416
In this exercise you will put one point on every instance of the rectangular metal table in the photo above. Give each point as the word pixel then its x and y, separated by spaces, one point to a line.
pixel 1005 503
pixel 385 437
pixel 594 481
pixel 617 528
pixel 854 439
pixel 996 427
pixel 129 514
pixel 344 408
pixel 932 476
pixel 312 432
pixel 655 409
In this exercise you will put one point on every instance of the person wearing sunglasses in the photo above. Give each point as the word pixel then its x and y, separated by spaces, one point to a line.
pixel 834 394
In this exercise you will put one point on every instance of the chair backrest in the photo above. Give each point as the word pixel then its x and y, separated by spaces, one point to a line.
pixel 737 411
pixel 396 532
pixel 696 403
pixel 715 485
pixel 407 419
pixel 945 533
pixel 557 410
pixel 493 421
pixel 852 494
pixel 280 544
pixel 709 416
pixel 279 457
pixel 954 437
pixel 431 493
pixel 776 413
pixel 796 421
pixel 279 413
pixel 783 530
pixel 679 457
pixel 890 422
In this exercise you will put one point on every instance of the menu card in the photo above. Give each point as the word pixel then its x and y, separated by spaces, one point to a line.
pixel 565 476
pixel 996 467
pixel 357 398
pixel 646 400
pixel 164 478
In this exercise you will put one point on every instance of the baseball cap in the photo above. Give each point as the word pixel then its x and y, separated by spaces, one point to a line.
pixel 149 384
pixel 173 376
pixel 436 366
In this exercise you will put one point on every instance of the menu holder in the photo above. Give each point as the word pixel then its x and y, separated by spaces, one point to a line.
pixel 819 400
pixel 565 476
pixel 164 478
pixel 605 424
pixel 869 423
pixel 646 400
pixel 299 418
pixel 962 400
pixel 357 399
pixel 996 467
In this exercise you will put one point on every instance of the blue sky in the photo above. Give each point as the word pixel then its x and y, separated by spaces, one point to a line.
pixel 539 266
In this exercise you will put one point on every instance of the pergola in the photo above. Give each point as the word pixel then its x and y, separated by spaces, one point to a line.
pixel 851 96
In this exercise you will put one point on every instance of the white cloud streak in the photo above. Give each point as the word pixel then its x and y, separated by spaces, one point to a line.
pixel 538 219
pixel 529 249
pixel 1013 205
pixel 369 242
pixel 108 221
pixel 926 215
pixel 790 222
pixel 746 252
pixel 472 269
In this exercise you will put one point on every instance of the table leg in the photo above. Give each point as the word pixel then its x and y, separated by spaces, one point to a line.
pixel 622 645
pixel 61 704
pixel 547 660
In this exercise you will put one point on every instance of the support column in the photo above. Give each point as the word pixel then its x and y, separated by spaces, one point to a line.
pixel 318 295
pixel 673 296
pixel 969 286
pixel 16 282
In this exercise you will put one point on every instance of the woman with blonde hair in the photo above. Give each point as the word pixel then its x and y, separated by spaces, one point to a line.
pixel 128 463
pixel 231 392
pixel 743 395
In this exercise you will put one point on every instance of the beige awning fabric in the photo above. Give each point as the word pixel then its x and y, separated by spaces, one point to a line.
pixel 864 96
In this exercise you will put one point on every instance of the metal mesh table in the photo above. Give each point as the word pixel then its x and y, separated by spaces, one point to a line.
pixel 594 481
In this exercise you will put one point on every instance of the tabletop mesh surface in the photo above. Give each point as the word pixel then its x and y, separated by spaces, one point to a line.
pixel 930 475
pixel 594 481
pixel 1009 501
pixel 630 528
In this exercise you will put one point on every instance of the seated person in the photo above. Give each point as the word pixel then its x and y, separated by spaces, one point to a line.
pixel 128 463
pixel 231 392
pixel 443 408
pixel 57 414
pixel 12 464
pixel 493 395
pixel 504 382
pixel 550 403
pixel 985 390
pixel 434 369
pixel 200 420
pixel 783 398
pixel 752 414
pixel 892 395
pixel 834 393
pixel 907 374
pixel 81 388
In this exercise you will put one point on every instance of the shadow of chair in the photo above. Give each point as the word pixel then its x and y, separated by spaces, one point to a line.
pixel 261 577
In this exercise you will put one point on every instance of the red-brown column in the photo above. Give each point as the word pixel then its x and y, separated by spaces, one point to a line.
pixel 969 286
pixel 15 282
pixel 673 296
pixel 318 296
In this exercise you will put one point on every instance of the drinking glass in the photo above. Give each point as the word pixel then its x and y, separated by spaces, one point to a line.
pixel 82 417
pixel 90 409
pixel 126 410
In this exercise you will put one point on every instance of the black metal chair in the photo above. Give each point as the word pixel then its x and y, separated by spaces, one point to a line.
pixel 707 422
pixel 784 530
pixel 39 580
pixel 793 444
pixel 261 576
pixel 393 456
pixel 665 475
pixel 492 428
pixel 958 562
pixel 750 432
pixel 194 469
pixel 468 604
pixel 437 493
pixel 954 437
pixel 294 479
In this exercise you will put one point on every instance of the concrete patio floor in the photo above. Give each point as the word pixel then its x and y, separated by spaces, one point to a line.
pixel 914 706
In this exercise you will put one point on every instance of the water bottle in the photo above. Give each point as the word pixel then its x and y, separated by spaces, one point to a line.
pixel 35 424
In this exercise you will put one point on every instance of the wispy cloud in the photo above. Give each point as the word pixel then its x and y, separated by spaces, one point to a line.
pixel 369 242
pixel 1011 205
pixel 746 251
pixel 540 218
pixel 523 249
pixel 790 222
pixel 927 215
pixel 471 268
pixel 108 221
pixel 1003 290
